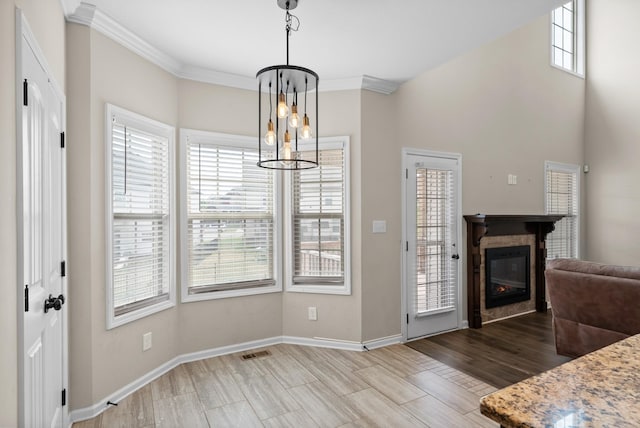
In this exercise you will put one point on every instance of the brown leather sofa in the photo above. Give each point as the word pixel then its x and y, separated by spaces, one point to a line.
pixel 593 304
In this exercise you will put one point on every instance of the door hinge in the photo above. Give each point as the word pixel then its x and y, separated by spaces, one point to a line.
pixel 64 397
pixel 25 93
pixel 62 140
pixel 407 318
pixel 26 297
pixel 407 245
pixel 63 268
pixel 406 173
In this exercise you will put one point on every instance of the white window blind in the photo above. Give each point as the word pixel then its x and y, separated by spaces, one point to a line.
pixel 562 198
pixel 140 210
pixel 319 221
pixel 436 281
pixel 230 217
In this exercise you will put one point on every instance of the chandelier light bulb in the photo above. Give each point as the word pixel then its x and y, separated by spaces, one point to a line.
pixel 294 119
pixel 283 110
pixel 270 136
pixel 306 129
pixel 286 154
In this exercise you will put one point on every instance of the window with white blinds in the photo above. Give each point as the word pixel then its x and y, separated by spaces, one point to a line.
pixel 567 37
pixel 229 220
pixel 319 226
pixel 562 190
pixel 140 211
pixel 435 270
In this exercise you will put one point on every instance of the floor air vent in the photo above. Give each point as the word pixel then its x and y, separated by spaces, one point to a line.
pixel 255 355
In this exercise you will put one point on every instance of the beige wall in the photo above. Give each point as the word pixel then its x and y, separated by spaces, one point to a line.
pixel 79 214
pixel 215 323
pixel 47 22
pixel 381 200
pixel 612 130
pixel 506 110
pixel 503 108
pixel 102 71
pixel 8 317
pixel 339 317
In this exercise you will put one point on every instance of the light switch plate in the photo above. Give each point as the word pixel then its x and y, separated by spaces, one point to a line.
pixel 379 226
pixel 146 341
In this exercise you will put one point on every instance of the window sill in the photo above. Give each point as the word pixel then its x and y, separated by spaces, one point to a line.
pixel 573 73
pixel 113 322
pixel 342 290
pixel 215 295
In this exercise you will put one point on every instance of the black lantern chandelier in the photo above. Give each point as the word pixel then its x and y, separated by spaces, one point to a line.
pixel 284 140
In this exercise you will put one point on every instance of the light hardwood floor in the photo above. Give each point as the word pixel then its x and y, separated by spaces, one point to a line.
pixel 301 386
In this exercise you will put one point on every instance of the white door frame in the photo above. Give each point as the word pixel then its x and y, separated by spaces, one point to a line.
pixel 405 235
pixel 24 33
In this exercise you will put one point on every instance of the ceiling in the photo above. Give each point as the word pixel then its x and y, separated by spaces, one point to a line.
pixel 388 41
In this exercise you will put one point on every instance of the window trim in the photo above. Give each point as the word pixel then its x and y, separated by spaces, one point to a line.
pixel 325 143
pixel 152 126
pixel 193 135
pixel 579 35
pixel 569 169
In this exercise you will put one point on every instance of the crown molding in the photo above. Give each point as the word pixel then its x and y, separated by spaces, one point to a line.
pixel 206 75
pixel 83 13
pixel 69 6
pixel 345 84
pixel 381 86
pixel 87 14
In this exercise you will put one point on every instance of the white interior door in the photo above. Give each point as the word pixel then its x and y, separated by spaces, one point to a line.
pixel 41 199
pixel 431 252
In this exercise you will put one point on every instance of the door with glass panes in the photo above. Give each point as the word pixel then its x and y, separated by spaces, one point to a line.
pixel 431 247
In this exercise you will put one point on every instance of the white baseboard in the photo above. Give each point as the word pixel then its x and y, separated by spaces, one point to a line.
pixel 382 342
pixel 97 408
pixel 230 349
pixel 322 342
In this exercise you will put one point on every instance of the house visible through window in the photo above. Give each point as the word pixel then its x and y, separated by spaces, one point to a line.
pixel 229 218
pixel 141 232
pixel 319 224
pixel 567 37
pixel 562 189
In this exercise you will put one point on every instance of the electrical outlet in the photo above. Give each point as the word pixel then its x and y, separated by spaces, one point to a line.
pixel 313 313
pixel 146 341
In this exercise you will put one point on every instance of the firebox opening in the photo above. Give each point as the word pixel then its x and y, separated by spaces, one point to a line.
pixel 507 275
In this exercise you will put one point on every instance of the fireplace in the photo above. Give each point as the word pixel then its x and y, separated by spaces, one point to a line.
pixel 480 226
pixel 507 275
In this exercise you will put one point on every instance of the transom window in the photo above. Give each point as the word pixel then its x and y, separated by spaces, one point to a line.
pixel 567 37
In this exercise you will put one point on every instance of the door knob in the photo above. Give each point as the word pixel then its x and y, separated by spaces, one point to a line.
pixel 53 303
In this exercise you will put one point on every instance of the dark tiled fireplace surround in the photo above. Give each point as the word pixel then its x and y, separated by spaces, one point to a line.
pixel 490 231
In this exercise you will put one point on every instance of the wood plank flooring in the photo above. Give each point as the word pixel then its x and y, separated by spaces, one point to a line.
pixel 500 353
pixel 301 386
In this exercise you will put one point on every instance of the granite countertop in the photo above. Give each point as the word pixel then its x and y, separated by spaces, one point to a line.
pixel 600 389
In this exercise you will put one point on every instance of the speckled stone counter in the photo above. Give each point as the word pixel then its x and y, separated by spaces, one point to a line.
pixel 600 389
